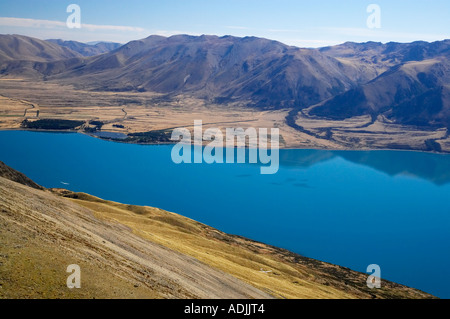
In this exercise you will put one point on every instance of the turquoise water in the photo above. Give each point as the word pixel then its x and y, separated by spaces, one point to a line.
pixel 348 208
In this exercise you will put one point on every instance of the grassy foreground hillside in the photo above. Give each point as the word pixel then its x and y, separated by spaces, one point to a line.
pixel 127 251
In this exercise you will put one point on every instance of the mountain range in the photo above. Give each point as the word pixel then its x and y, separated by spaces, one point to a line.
pixel 412 89
pixel 401 83
pixel 87 49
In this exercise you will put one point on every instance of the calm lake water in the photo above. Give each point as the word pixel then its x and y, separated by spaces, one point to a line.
pixel 348 208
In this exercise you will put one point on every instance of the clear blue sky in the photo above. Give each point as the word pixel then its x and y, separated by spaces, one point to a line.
pixel 295 22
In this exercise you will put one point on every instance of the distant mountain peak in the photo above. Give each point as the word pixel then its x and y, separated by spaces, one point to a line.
pixel 87 49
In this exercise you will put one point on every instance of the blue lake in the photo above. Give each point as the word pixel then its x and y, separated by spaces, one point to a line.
pixel 349 208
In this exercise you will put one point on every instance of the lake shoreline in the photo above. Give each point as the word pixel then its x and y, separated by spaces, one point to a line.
pixel 320 197
pixel 174 143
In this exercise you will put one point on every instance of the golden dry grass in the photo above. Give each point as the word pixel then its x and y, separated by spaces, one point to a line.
pixel 275 271
pixel 146 111
pixel 140 112
pixel 128 251
pixel 41 234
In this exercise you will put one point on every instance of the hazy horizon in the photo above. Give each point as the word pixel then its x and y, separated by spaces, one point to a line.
pixel 296 23
pixel 219 36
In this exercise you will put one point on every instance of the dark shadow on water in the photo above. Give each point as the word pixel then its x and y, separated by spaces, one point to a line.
pixel 302 185
pixel 304 158
pixel 432 167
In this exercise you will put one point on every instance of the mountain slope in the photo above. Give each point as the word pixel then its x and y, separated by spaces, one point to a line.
pixel 413 93
pixel 22 48
pixel 22 56
pixel 263 72
pixel 15 176
pixel 86 49
pixel 42 234
pixel 410 85
pixel 371 59
pixel 127 251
